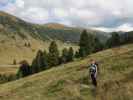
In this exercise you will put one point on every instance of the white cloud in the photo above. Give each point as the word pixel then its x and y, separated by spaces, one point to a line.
pixel 60 12
pixel 101 14
pixel 124 27
pixel 37 15
pixel 19 3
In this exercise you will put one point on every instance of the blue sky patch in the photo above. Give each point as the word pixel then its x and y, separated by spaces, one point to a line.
pixel 4 3
pixel 12 1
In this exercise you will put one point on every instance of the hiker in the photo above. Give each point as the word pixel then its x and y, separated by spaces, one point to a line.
pixel 93 72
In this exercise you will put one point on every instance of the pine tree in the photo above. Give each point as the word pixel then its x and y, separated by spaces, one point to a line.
pixel 24 69
pixel 34 66
pixel 45 56
pixel 98 46
pixel 70 54
pixel 114 40
pixel 64 56
pixel 25 44
pixel 40 62
pixel 77 54
pixel 53 55
pixel 28 45
pixel 85 44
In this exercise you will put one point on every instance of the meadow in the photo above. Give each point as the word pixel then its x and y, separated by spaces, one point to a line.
pixel 71 82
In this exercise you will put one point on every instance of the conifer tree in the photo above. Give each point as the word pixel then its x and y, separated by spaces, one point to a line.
pixel 77 54
pixel 40 62
pixel 53 55
pixel 70 54
pixel 24 69
pixel 98 46
pixel 114 40
pixel 84 44
pixel 64 56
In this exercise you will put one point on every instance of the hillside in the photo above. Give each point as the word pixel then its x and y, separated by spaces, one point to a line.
pixel 70 81
pixel 15 34
pixel 13 25
pixel 56 26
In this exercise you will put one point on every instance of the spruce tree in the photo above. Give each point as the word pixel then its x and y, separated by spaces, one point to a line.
pixel 45 57
pixel 77 54
pixel 40 62
pixel 98 46
pixel 64 56
pixel 84 44
pixel 114 40
pixel 53 55
pixel 70 54
pixel 24 69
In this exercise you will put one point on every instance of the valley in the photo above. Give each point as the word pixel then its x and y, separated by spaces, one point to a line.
pixel 62 80
pixel 16 35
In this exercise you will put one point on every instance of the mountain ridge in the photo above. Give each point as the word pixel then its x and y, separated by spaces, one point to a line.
pixel 57 31
pixel 16 33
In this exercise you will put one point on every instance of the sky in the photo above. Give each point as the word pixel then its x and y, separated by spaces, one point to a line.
pixel 104 15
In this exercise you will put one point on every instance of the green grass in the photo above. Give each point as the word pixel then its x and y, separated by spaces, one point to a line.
pixel 71 82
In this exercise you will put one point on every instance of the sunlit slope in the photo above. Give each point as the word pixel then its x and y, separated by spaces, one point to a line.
pixel 16 49
pixel 70 81
pixel 16 33
pixel 12 50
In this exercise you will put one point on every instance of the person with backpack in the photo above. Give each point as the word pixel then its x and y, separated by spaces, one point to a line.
pixel 93 72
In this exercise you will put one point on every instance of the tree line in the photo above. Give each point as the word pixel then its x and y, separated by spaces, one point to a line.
pixel 45 60
pixel 118 39
pixel 88 44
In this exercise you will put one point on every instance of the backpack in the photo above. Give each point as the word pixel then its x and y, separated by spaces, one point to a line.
pixel 93 69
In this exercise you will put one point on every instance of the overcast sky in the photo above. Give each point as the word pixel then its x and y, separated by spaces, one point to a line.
pixel 106 15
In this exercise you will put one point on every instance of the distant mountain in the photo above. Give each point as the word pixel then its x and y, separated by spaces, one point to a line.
pixel 11 25
pixel 56 26
pixel 16 35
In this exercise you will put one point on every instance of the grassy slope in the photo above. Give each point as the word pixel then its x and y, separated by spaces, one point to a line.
pixel 12 49
pixel 14 33
pixel 16 50
pixel 69 82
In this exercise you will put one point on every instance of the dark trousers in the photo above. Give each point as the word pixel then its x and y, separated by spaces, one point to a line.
pixel 94 81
